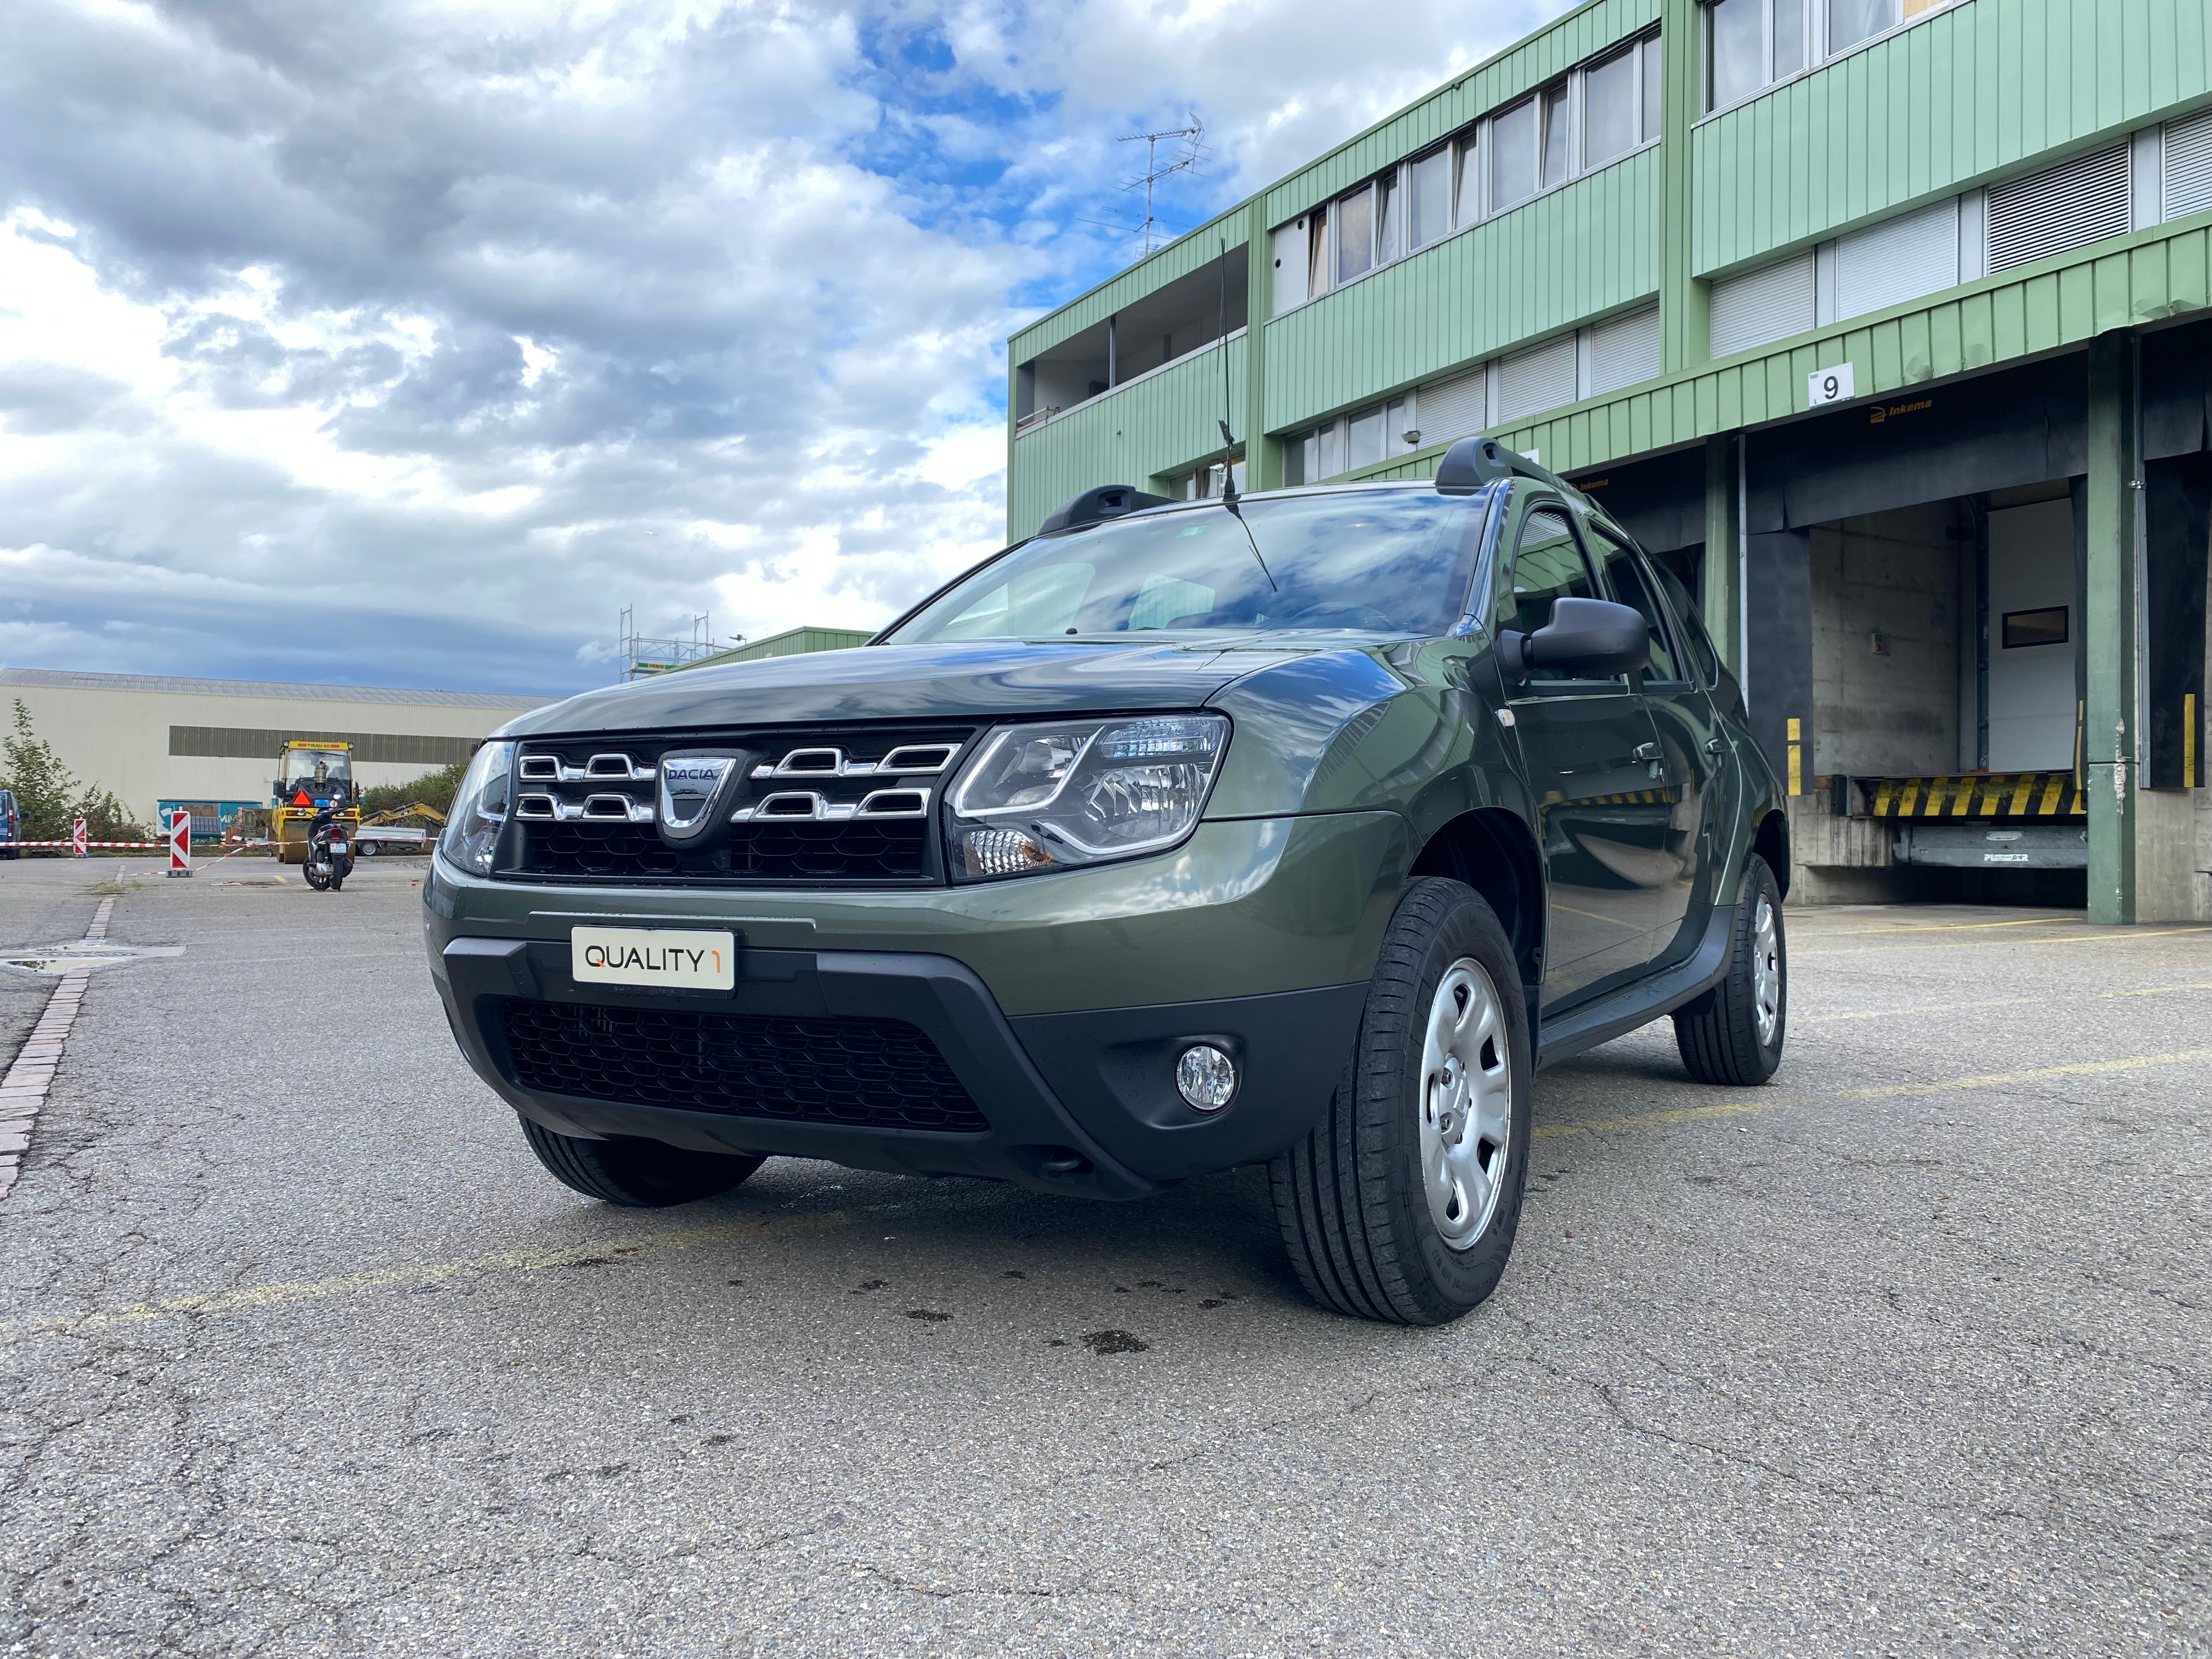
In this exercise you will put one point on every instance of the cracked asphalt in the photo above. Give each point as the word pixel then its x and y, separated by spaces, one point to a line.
pixel 1909 1353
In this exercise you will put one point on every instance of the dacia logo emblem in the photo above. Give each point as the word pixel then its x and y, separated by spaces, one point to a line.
pixel 691 786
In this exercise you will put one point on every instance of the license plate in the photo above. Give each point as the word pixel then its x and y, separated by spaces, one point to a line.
pixel 661 958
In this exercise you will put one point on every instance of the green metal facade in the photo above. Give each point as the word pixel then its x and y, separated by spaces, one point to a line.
pixel 1980 89
pixel 1577 252
pixel 1154 424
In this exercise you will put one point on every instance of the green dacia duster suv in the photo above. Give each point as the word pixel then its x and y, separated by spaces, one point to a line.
pixel 1297 830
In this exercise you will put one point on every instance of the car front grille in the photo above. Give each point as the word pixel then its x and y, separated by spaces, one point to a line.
pixel 865 1073
pixel 830 806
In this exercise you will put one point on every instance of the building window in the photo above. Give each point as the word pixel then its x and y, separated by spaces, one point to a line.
pixel 1655 97
pixel 1432 191
pixel 1558 135
pixel 1735 31
pixel 1513 156
pixel 1751 44
pixel 1609 109
pixel 1355 233
pixel 1587 120
pixel 1470 178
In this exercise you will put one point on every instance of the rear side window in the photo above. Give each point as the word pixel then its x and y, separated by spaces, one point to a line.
pixel 1624 572
pixel 1688 627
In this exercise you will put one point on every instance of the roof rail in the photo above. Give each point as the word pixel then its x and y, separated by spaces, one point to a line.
pixel 1106 501
pixel 1473 462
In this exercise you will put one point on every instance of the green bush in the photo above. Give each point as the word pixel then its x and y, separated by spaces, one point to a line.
pixel 49 796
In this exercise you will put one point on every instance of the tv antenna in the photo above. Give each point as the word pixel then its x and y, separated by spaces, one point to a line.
pixel 1188 151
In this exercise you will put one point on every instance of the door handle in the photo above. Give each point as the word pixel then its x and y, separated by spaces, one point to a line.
pixel 1715 745
pixel 1646 751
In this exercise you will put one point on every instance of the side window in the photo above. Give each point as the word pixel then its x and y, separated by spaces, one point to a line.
pixel 1548 565
pixel 1687 626
pixel 1624 572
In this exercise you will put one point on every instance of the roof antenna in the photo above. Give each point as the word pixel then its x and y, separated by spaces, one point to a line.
pixel 1228 496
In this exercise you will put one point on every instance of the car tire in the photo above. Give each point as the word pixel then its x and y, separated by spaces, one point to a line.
pixel 1733 1033
pixel 638 1174
pixel 1432 1112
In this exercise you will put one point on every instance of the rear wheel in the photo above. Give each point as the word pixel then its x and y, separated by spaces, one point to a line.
pixel 318 874
pixel 638 1175
pixel 1733 1033
pixel 1403 1205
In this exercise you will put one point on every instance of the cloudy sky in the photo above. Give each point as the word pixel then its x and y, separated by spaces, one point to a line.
pixel 405 343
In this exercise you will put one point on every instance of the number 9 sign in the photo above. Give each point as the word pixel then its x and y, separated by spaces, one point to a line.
pixel 1830 385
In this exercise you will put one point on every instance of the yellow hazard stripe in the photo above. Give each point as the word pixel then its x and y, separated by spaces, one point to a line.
pixel 1997 794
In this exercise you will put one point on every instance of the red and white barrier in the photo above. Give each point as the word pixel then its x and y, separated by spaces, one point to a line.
pixel 75 845
pixel 76 840
pixel 180 843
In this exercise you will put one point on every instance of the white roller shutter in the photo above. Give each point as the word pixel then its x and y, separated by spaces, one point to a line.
pixel 1454 409
pixel 1896 261
pixel 1540 378
pixel 1623 351
pixel 2189 166
pixel 1768 304
pixel 2068 206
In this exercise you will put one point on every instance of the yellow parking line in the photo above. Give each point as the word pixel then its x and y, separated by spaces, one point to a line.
pixel 2125 933
pixel 1771 1100
pixel 1927 1008
pixel 2118 935
pixel 1993 1002
pixel 1932 928
pixel 422 1274
pixel 1747 1103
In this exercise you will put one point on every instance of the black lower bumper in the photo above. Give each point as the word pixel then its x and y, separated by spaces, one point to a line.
pixel 1074 1102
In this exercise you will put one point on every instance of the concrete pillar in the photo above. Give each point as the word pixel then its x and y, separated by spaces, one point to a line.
pixel 2112 537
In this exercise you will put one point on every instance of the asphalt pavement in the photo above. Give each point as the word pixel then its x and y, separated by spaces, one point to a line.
pixel 1906 1353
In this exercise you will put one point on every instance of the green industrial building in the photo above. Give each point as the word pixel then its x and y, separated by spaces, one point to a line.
pixel 1886 324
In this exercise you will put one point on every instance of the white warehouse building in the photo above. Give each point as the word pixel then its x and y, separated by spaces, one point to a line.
pixel 158 740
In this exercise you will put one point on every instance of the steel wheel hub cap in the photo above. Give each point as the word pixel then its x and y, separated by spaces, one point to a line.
pixel 1765 972
pixel 1466 1103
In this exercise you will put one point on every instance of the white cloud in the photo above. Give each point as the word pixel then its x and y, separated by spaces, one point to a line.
pixel 409 340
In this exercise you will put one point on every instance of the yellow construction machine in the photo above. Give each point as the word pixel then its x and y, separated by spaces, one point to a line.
pixel 312 772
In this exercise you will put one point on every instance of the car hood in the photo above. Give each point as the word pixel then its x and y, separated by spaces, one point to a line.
pixel 988 679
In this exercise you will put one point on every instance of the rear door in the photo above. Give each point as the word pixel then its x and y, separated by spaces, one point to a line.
pixel 1590 752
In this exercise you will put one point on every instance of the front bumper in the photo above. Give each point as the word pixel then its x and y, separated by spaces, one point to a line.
pixel 1061 1002
pixel 1076 1102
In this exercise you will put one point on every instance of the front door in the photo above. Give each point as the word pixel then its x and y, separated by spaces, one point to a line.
pixel 1591 754
pixel 1690 746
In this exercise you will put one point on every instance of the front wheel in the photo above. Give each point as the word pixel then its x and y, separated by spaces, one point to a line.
pixel 638 1174
pixel 1732 1034
pixel 1402 1205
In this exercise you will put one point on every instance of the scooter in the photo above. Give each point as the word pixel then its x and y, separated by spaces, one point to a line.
pixel 329 853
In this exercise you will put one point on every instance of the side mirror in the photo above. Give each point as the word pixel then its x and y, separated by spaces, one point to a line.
pixel 1595 638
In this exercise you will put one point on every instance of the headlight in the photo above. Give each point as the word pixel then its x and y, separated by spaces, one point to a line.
pixel 479 809
pixel 1039 797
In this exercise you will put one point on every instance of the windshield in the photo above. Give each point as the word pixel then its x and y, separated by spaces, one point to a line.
pixel 313 766
pixel 1386 562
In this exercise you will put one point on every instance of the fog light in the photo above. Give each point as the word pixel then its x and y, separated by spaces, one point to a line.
pixel 1206 1077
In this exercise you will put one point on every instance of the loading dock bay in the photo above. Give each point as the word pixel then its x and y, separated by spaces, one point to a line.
pixel 1940 657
